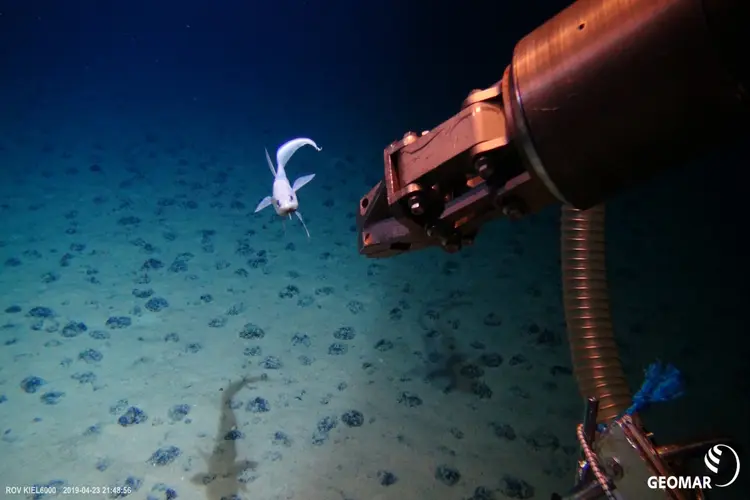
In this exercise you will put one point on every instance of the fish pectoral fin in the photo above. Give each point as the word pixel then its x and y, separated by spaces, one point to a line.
pixel 299 216
pixel 265 202
pixel 300 182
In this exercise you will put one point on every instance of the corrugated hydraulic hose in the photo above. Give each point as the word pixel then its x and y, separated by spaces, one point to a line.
pixel 596 361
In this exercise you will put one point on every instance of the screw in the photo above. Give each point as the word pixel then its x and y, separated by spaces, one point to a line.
pixel 415 206
pixel 511 212
pixel 510 207
pixel 483 167
pixel 409 137
pixel 614 467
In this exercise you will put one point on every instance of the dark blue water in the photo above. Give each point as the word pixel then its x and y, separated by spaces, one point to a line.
pixel 159 337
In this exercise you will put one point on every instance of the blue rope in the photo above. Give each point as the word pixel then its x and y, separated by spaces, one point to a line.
pixel 662 383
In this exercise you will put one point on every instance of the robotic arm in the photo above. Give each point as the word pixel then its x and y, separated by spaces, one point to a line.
pixel 600 97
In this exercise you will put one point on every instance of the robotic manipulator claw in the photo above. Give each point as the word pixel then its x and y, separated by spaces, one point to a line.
pixel 441 185
pixel 566 121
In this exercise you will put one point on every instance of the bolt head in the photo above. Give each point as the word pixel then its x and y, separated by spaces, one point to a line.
pixel 511 212
pixel 410 137
pixel 483 167
pixel 416 207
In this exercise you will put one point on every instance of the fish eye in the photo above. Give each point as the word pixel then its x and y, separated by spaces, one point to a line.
pixel 291 198
pixel 278 203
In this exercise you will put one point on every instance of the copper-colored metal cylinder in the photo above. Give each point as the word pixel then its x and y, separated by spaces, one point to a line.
pixel 608 93
pixel 596 361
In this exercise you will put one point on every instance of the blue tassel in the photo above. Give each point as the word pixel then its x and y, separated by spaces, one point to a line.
pixel 663 383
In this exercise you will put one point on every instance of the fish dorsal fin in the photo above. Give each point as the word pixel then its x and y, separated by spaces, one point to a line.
pixel 270 163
